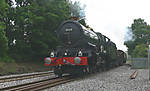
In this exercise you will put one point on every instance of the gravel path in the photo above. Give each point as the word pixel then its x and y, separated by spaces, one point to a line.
pixel 113 80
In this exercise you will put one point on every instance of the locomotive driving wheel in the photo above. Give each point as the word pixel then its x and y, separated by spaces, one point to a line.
pixel 91 69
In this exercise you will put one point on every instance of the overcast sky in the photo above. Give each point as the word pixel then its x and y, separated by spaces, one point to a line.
pixel 112 17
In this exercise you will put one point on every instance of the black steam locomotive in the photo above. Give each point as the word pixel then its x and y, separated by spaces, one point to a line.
pixel 82 50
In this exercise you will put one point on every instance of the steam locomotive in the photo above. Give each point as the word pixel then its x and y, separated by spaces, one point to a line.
pixel 83 50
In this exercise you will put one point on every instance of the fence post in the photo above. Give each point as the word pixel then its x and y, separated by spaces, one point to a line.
pixel 149 60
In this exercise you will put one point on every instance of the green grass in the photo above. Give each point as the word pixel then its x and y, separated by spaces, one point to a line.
pixel 6 59
pixel 18 67
pixel 8 67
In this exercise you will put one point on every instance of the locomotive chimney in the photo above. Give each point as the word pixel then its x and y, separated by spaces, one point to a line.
pixel 74 18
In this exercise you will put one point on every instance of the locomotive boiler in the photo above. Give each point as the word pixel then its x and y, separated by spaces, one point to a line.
pixel 81 50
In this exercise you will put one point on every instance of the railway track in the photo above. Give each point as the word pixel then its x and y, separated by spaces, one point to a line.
pixel 40 85
pixel 24 76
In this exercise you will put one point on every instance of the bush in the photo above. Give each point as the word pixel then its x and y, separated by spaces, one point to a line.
pixel 6 59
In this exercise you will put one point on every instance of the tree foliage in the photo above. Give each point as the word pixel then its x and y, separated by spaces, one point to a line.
pixel 140 50
pixel 31 25
pixel 3 39
pixel 141 35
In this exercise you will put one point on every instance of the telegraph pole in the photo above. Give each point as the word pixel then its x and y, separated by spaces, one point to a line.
pixel 149 60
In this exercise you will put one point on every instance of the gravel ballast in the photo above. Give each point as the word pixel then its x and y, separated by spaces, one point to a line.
pixel 117 79
pixel 25 81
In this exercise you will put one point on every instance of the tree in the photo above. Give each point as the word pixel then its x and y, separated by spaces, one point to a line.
pixel 140 35
pixel 31 26
pixel 3 39
pixel 75 8
pixel 77 11
pixel 131 46
pixel 140 50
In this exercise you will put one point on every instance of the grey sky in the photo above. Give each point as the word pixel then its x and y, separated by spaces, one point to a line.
pixel 112 17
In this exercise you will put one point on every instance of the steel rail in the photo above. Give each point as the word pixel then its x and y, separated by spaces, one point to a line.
pixel 24 76
pixel 39 85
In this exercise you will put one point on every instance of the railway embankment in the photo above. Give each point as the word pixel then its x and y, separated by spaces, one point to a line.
pixel 117 79
pixel 20 67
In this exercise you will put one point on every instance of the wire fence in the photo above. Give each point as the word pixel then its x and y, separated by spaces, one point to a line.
pixel 139 63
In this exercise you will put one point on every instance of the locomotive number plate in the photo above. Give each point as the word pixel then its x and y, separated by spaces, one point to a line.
pixel 68 30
